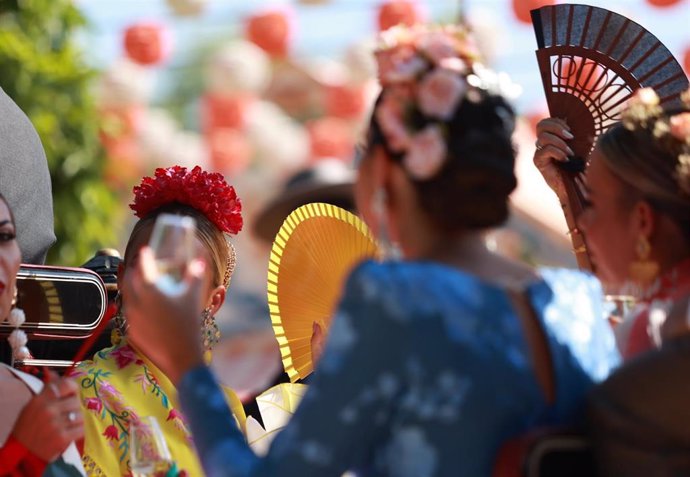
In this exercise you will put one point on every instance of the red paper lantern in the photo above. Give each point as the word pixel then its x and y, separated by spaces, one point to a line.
pixel 123 166
pixel 344 101
pixel 230 151
pixel 686 61
pixel 146 43
pixel 270 31
pixel 331 137
pixel 119 124
pixel 396 12
pixel 521 8
pixel 663 3
pixel 223 112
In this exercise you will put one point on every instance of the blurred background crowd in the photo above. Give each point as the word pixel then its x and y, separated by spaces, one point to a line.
pixel 259 91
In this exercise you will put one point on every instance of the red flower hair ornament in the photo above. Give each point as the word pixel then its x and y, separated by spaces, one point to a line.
pixel 207 192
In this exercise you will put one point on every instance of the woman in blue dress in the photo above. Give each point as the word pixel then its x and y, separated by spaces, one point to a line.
pixel 433 361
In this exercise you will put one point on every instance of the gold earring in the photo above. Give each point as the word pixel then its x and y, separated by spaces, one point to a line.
pixel 643 271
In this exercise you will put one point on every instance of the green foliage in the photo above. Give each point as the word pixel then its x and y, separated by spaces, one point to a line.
pixel 45 73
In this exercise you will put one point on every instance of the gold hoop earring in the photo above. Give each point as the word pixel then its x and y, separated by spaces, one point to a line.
pixel 643 271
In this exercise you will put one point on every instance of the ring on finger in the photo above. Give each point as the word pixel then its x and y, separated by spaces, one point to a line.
pixel 538 146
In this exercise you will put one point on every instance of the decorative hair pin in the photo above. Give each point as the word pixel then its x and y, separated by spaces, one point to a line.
pixel 428 71
pixel 673 132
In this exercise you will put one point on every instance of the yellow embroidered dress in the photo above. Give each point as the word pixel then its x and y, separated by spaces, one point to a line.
pixel 120 385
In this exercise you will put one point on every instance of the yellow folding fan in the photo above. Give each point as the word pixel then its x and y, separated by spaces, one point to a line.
pixel 312 255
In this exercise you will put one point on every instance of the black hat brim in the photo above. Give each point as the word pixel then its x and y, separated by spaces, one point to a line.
pixel 267 223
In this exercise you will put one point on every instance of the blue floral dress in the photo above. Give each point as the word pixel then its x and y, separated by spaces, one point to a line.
pixel 425 373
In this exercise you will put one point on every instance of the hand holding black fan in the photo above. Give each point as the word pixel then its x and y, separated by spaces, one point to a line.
pixel 591 61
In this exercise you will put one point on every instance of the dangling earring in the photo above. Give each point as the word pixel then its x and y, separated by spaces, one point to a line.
pixel 389 250
pixel 17 338
pixel 120 329
pixel 643 271
pixel 210 332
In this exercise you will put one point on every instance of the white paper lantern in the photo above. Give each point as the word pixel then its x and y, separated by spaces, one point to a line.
pixel 488 33
pixel 156 134
pixel 327 71
pixel 239 67
pixel 124 83
pixel 281 143
pixel 359 59
pixel 188 149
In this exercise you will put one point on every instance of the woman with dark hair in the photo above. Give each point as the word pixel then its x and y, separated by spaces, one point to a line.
pixel 122 383
pixel 434 360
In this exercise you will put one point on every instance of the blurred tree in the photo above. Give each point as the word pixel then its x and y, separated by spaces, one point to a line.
pixel 44 71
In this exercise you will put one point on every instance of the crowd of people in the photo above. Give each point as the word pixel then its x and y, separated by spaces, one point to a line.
pixel 435 359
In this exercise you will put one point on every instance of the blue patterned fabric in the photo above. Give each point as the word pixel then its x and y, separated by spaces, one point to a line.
pixel 425 373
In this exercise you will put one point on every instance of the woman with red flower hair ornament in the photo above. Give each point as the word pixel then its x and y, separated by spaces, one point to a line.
pixel 433 360
pixel 122 384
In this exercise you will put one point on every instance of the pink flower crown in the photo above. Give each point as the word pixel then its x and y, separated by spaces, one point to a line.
pixel 206 192
pixel 673 132
pixel 428 70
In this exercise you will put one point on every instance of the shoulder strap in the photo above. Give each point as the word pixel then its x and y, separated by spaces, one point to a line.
pixel 540 354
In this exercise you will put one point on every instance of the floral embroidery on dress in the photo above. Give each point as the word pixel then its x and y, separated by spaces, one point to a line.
pixel 113 410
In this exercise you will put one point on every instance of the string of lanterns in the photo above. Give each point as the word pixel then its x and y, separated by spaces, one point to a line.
pixel 260 106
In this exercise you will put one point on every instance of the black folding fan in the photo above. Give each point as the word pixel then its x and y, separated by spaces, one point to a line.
pixel 591 61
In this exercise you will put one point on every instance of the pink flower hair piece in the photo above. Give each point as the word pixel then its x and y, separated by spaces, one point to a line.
pixel 426 72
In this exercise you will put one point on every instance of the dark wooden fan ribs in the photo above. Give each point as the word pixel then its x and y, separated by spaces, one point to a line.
pixel 591 60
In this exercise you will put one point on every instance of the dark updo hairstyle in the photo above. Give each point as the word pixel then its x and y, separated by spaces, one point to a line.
pixel 206 231
pixel 647 164
pixel 471 190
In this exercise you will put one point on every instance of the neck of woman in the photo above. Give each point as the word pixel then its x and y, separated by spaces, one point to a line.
pixel 467 251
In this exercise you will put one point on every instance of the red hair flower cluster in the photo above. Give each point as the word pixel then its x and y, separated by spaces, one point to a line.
pixel 208 192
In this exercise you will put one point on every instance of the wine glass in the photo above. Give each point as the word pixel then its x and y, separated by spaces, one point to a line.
pixel 172 243
pixel 148 452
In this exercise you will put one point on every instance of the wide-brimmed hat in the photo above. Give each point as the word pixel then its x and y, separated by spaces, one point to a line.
pixel 329 181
